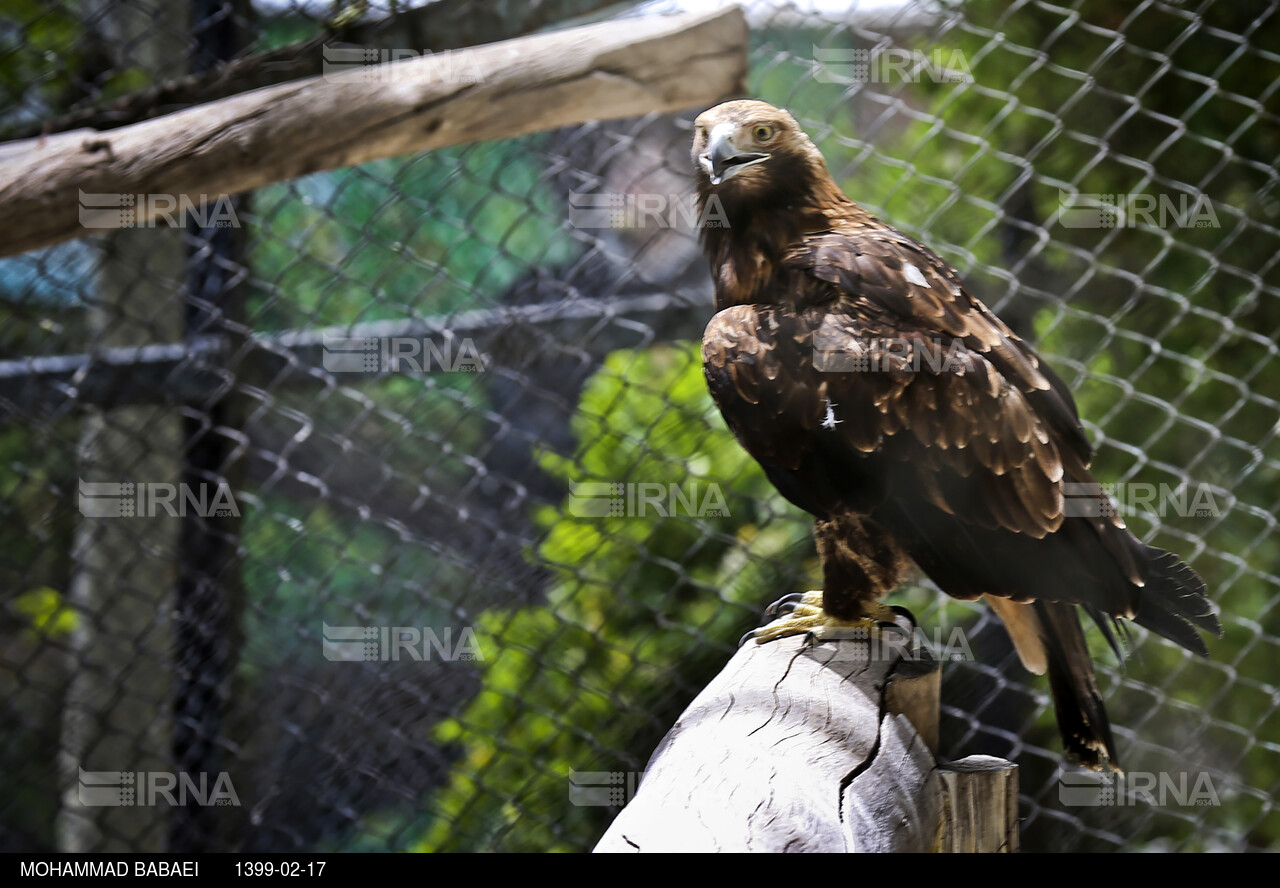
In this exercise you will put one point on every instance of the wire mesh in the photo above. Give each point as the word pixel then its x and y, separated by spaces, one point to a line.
pixel 461 532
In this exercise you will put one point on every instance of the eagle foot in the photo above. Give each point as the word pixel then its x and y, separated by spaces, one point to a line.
pixel 801 613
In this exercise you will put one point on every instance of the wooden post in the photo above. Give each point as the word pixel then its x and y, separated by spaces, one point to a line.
pixel 117 716
pixel 979 806
pixel 828 747
pixel 793 747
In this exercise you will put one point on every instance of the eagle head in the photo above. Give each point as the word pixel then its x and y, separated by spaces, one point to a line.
pixel 755 164
pixel 768 187
pixel 745 147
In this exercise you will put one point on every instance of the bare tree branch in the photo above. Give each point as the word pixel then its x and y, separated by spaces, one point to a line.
pixel 604 71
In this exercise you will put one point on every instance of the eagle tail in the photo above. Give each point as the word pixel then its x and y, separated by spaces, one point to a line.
pixel 1048 638
pixel 1174 601
pixel 1082 720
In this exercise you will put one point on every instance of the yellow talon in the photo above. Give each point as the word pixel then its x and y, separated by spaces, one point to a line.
pixel 804 615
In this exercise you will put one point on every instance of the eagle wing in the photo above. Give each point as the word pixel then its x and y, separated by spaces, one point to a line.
pixel 975 397
pixel 878 386
pixel 885 267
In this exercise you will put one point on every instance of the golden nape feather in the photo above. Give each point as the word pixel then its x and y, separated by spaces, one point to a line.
pixel 881 397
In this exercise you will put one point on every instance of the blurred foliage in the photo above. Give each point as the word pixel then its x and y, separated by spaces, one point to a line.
pixel 427 236
pixel 49 61
pixel 310 565
pixel 45 610
pixel 444 231
pixel 642 610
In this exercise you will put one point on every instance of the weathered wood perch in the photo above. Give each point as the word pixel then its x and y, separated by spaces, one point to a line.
pixel 626 68
pixel 979 806
pixel 812 748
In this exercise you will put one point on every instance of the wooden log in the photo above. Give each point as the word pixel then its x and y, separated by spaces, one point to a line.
pixel 616 69
pixel 794 747
pixel 979 809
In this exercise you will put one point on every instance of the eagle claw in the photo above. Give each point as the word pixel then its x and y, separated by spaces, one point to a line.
pixel 784 605
pixel 802 613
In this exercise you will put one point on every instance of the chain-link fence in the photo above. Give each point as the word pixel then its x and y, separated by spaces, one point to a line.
pixel 385 508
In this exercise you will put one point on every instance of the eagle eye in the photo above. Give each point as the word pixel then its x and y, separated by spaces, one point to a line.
pixel 762 132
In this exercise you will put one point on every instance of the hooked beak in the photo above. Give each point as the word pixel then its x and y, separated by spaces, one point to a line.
pixel 722 159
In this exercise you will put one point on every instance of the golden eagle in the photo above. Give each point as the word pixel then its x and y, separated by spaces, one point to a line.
pixel 881 397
